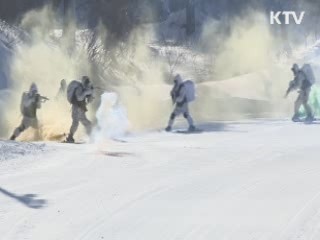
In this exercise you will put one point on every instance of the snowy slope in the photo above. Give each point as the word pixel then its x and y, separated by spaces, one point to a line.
pixel 237 180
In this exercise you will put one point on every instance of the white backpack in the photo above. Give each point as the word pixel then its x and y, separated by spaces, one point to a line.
pixel 71 91
pixel 307 70
pixel 190 90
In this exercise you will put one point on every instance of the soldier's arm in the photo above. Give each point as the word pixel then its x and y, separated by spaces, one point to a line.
pixel 172 94
pixel 39 105
pixel 81 95
pixel 300 78
pixel 293 85
pixel 38 101
pixel 90 99
pixel 290 88
pixel 182 95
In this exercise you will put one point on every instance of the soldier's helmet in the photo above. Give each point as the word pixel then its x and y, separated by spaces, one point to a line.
pixel 33 88
pixel 85 81
pixel 177 79
pixel 295 68
pixel 63 84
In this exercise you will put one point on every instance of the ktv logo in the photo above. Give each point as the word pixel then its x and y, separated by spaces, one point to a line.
pixel 286 17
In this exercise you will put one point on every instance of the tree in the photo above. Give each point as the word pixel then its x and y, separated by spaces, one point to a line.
pixel 67 5
pixel 191 17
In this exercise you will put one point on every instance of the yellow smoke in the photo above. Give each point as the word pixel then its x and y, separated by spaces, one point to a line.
pixel 45 64
pixel 247 78
pixel 244 57
pixel 146 98
pixel 47 59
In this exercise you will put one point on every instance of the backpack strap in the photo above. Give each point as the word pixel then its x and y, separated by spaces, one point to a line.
pixel 306 83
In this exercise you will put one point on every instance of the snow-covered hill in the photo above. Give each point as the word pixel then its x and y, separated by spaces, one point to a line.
pixel 10 38
pixel 236 180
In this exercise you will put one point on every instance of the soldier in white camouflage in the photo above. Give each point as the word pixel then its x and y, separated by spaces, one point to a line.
pixel 179 98
pixel 83 94
pixel 30 103
pixel 303 85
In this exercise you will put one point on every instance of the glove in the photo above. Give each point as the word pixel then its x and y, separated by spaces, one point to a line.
pixel 180 104
pixel 88 91
pixel 90 99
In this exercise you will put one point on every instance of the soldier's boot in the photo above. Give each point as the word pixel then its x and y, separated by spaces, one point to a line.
pixel 308 109
pixel 310 118
pixel 190 121
pixel 192 128
pixel 171 121
pixel 17 132
pixel 70 139
pixel 295 118
pixel 168 129
pixel 13 138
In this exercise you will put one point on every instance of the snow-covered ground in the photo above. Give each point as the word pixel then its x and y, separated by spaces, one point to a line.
pixel 9 149
pixel 236 180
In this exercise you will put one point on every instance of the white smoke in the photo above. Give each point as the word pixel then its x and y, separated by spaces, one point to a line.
pixel 112 120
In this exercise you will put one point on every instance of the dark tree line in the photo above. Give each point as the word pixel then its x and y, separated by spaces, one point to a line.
pixel 12 10
pixel 121 16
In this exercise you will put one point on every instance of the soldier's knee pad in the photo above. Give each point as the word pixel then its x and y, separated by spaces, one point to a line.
pixel 75 121
pixel 173 116
pixel 86 123
pixel 186 115
pixel 21 128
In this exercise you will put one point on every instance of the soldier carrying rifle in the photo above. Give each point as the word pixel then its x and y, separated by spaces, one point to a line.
pixel 30 103
pixel 303 81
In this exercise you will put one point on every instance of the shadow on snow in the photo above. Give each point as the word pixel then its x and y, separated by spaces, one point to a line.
pixel 29 200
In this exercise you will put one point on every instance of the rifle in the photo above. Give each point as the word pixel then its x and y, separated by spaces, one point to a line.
pixel 42 98
pixel 173 97
pixel 100 88
pixel 290 88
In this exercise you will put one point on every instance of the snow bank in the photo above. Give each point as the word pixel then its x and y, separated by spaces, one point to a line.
pixel 10 150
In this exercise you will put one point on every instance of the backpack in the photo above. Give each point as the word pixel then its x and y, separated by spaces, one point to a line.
pixel 190 90
pixel 308 72
pixel 71 91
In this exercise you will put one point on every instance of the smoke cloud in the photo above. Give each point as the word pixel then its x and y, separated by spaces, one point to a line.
pixel 44 62
pixel 50 56
pixel 112 119
pixel 248 80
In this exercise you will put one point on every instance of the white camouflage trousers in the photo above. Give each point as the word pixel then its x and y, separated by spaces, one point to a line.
pixel 178 110
pixel 79 116
pixel 302 100
pixel 26 123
